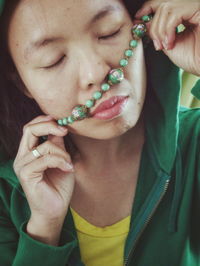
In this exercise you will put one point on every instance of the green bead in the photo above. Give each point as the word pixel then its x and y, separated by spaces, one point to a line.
pixel 139 30
pixel 133 43
pixel 123 62
pixel 105 87
pixel 128 53
pixel 79 112
pixel 180 28
pixel 65 121
pixel 97 95
pixel 115 76
pixel 146 18
pixel 60 122
pixel 90 103
pixel 70 120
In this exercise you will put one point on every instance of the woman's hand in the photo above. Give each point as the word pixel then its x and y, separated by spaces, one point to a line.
pixel 48 181
pixel 183 48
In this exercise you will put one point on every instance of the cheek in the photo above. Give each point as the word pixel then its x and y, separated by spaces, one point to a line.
pixel 55 98
pixel 136 74
pixel 57 104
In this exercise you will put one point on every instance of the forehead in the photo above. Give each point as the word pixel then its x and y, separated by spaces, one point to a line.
pixel 34 18
pixel 38 12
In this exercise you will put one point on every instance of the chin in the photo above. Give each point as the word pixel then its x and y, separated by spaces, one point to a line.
pixel 104 130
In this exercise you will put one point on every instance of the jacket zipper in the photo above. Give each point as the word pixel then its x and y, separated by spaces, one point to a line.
pixel 126 261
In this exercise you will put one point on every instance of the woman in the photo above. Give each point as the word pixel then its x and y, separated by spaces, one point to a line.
pixel 110 189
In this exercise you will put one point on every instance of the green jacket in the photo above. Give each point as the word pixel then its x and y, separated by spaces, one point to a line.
pixel 165 218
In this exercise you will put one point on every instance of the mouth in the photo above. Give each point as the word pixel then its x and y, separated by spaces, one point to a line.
pixel 110 108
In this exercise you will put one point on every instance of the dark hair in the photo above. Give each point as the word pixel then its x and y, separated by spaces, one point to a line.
pixel 16 109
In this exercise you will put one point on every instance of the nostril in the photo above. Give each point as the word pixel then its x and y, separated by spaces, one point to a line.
pixel 90 85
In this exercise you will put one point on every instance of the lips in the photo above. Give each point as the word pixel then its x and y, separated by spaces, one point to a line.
pixel 110 108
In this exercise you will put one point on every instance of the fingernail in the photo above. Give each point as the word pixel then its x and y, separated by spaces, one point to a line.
pixel 165 45
pixel 69 166
pixel 156 44
pixel 166 41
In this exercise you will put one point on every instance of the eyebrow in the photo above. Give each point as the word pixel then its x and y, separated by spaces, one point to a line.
pixel 38 44
pixel 44 41
pixel 103 13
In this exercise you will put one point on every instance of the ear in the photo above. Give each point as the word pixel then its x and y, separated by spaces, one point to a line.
pixel 16 79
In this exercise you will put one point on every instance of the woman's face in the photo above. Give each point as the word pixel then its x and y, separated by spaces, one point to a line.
pixel 63 51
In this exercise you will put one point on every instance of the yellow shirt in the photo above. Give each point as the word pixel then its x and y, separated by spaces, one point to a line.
pixel 101 246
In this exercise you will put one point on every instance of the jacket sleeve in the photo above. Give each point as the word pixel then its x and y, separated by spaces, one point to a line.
pixel 32 252
pixel 195 209
pixel 195 231
pixel 18 249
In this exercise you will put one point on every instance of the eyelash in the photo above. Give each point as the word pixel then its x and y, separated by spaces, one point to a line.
pixel 56 64
pixel 112 35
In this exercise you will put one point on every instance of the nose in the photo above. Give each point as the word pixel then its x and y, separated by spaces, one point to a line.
pixel 92 69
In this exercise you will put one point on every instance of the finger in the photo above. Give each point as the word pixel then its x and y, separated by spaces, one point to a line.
pixel 160 25
pixel 153 30
pixel 186 38
pixel 35 169
pixel 33 131
pixel 49 147
pixel 169 34
pixel 41 118
pixel 195 19
pixel 187 16
pixel 45 148
pixel 58 141
pixel 148 8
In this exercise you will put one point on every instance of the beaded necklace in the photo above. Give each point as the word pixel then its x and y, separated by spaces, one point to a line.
pixel 115 76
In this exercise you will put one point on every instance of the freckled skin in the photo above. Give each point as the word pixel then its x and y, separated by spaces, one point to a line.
pixel 87 61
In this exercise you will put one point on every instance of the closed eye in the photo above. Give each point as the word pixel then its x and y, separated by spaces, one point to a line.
pixel 112 35
pixel 57 63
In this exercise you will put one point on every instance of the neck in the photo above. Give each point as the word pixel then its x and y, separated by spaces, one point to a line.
pixel 102 153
